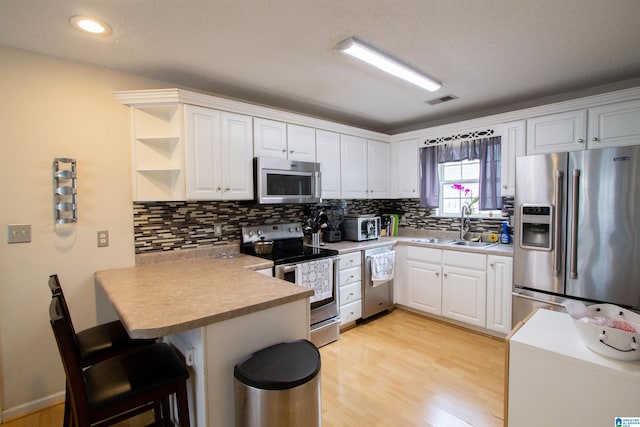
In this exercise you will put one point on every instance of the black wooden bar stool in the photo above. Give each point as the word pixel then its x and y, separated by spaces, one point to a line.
pixel 96 343
pixel 122 386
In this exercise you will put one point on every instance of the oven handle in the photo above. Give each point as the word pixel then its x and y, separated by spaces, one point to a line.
pixel 288 268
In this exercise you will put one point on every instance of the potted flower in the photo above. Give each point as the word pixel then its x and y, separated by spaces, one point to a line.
pixel 467 193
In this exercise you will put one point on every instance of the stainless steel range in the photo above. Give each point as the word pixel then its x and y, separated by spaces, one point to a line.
pixel 312 267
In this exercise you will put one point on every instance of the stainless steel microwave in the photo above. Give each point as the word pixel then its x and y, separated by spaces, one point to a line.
pixel 286 181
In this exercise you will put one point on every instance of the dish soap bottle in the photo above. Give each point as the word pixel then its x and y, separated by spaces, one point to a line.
pixel 505 237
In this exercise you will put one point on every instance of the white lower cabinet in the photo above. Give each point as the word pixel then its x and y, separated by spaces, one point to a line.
pixel 350 288
pixel 499 287
pixel 464 287
pixel 468 287
pixel 424 279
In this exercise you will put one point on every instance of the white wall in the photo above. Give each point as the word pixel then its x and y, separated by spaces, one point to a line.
pixel 53 108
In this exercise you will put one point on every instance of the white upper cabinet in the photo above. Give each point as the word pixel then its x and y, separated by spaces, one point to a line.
pixel 404 169
pixel 614 125
pixel 364 168
pixel 270 138
pixel 328 155
pixel 378 161
pixel 285 141
pixel 219 154
pixel 557 132
pixel 512 146
pixel 301 143
pixel 353 167
pixel 611 125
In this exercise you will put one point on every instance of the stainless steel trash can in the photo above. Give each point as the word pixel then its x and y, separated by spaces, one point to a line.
pixel 279 386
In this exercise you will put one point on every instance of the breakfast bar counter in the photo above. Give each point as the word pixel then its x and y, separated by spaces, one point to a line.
pixel 216 312
pixel 157 300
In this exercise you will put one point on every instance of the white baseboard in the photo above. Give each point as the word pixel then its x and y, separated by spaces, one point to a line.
pixel 33 406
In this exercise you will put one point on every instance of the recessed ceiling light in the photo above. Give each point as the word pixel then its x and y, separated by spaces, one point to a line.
pixel 368 54
pixel 90 25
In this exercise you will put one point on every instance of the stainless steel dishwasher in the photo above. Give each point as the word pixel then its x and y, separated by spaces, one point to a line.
pixel 376 297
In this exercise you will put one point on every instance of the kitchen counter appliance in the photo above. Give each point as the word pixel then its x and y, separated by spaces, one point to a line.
pixel 313 267
pixel 377 295
pixel 361 227
pixel 286 181
pixel 577 229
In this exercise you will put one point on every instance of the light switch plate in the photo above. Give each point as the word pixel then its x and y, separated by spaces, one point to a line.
pixel 18 233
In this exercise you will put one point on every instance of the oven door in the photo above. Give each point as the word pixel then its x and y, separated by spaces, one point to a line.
pixel 324 305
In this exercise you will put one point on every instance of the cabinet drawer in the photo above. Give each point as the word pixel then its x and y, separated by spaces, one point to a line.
pixel 350 260
pixel 350 312
pixel 465 260
pixel 350 293
pixel 350 275
pixel 420 253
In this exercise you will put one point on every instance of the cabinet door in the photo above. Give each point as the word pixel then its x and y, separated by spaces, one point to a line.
pixel 270 138
pixel 328 155
pixel 378 177
pixel 614 125
pixel 301 143
pixel 499 287
pixel 464 295
pixel 353 167
pixel 404 169
pixel 557 132
pixel 512 146
pixel 424 286
pixel 237 156
pixel 203 153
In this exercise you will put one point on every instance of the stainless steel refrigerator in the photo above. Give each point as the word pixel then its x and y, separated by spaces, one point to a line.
pixel 577 235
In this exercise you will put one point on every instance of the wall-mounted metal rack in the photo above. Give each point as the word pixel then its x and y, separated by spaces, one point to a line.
pixel 65 194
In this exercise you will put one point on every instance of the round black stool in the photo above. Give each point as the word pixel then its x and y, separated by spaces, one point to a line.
pixel 279 386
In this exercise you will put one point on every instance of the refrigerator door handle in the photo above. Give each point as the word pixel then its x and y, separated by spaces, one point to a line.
pixel 519 295
pixel 573 249
pixel 557 234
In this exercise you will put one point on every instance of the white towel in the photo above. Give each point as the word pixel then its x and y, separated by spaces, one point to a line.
pixel 316 275
pixel 382 267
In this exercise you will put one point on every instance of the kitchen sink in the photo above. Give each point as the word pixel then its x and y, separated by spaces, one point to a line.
pixel 472 244
pixel 434 240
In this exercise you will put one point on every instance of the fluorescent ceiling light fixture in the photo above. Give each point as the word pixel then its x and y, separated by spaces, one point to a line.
pixel 90 25
pixel 357 49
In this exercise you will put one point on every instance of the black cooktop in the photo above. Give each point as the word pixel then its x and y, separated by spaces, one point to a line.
pixel 288 252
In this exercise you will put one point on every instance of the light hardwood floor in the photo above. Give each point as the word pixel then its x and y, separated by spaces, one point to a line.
pixel 401 369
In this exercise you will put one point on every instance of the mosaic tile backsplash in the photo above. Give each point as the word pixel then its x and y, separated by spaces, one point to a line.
pixel 165 226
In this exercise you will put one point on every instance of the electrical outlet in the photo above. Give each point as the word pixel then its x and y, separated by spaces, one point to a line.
pixel 103 238
pixel 217 230
pixel 18 233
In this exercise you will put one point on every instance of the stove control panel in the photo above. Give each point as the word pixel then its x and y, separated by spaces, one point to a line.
pixel 288 230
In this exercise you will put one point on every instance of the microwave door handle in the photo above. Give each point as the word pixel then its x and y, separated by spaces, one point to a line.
pixel 557 259
pixel 573 249
pixel 318 190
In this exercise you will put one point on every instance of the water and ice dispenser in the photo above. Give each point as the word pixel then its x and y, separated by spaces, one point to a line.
pixel 536 227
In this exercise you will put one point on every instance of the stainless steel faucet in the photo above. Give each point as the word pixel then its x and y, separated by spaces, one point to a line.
pixel 464 220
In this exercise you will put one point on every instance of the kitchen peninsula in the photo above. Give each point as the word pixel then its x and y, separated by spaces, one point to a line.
pixel 216 312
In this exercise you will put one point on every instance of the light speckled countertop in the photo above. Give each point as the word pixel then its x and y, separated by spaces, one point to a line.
pixel 347 246
pixel 160 299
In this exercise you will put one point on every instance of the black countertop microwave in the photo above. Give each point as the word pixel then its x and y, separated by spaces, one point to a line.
pixel 286 181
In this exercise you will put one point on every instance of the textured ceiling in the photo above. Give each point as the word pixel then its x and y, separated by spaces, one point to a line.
pixel 491 54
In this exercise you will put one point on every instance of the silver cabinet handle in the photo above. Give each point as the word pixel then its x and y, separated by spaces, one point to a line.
pixel 291 151
pixel 573 272
pixel 491 265
pixel 557 259
pixel 437 274
pixel 595 139
pixel 580 141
